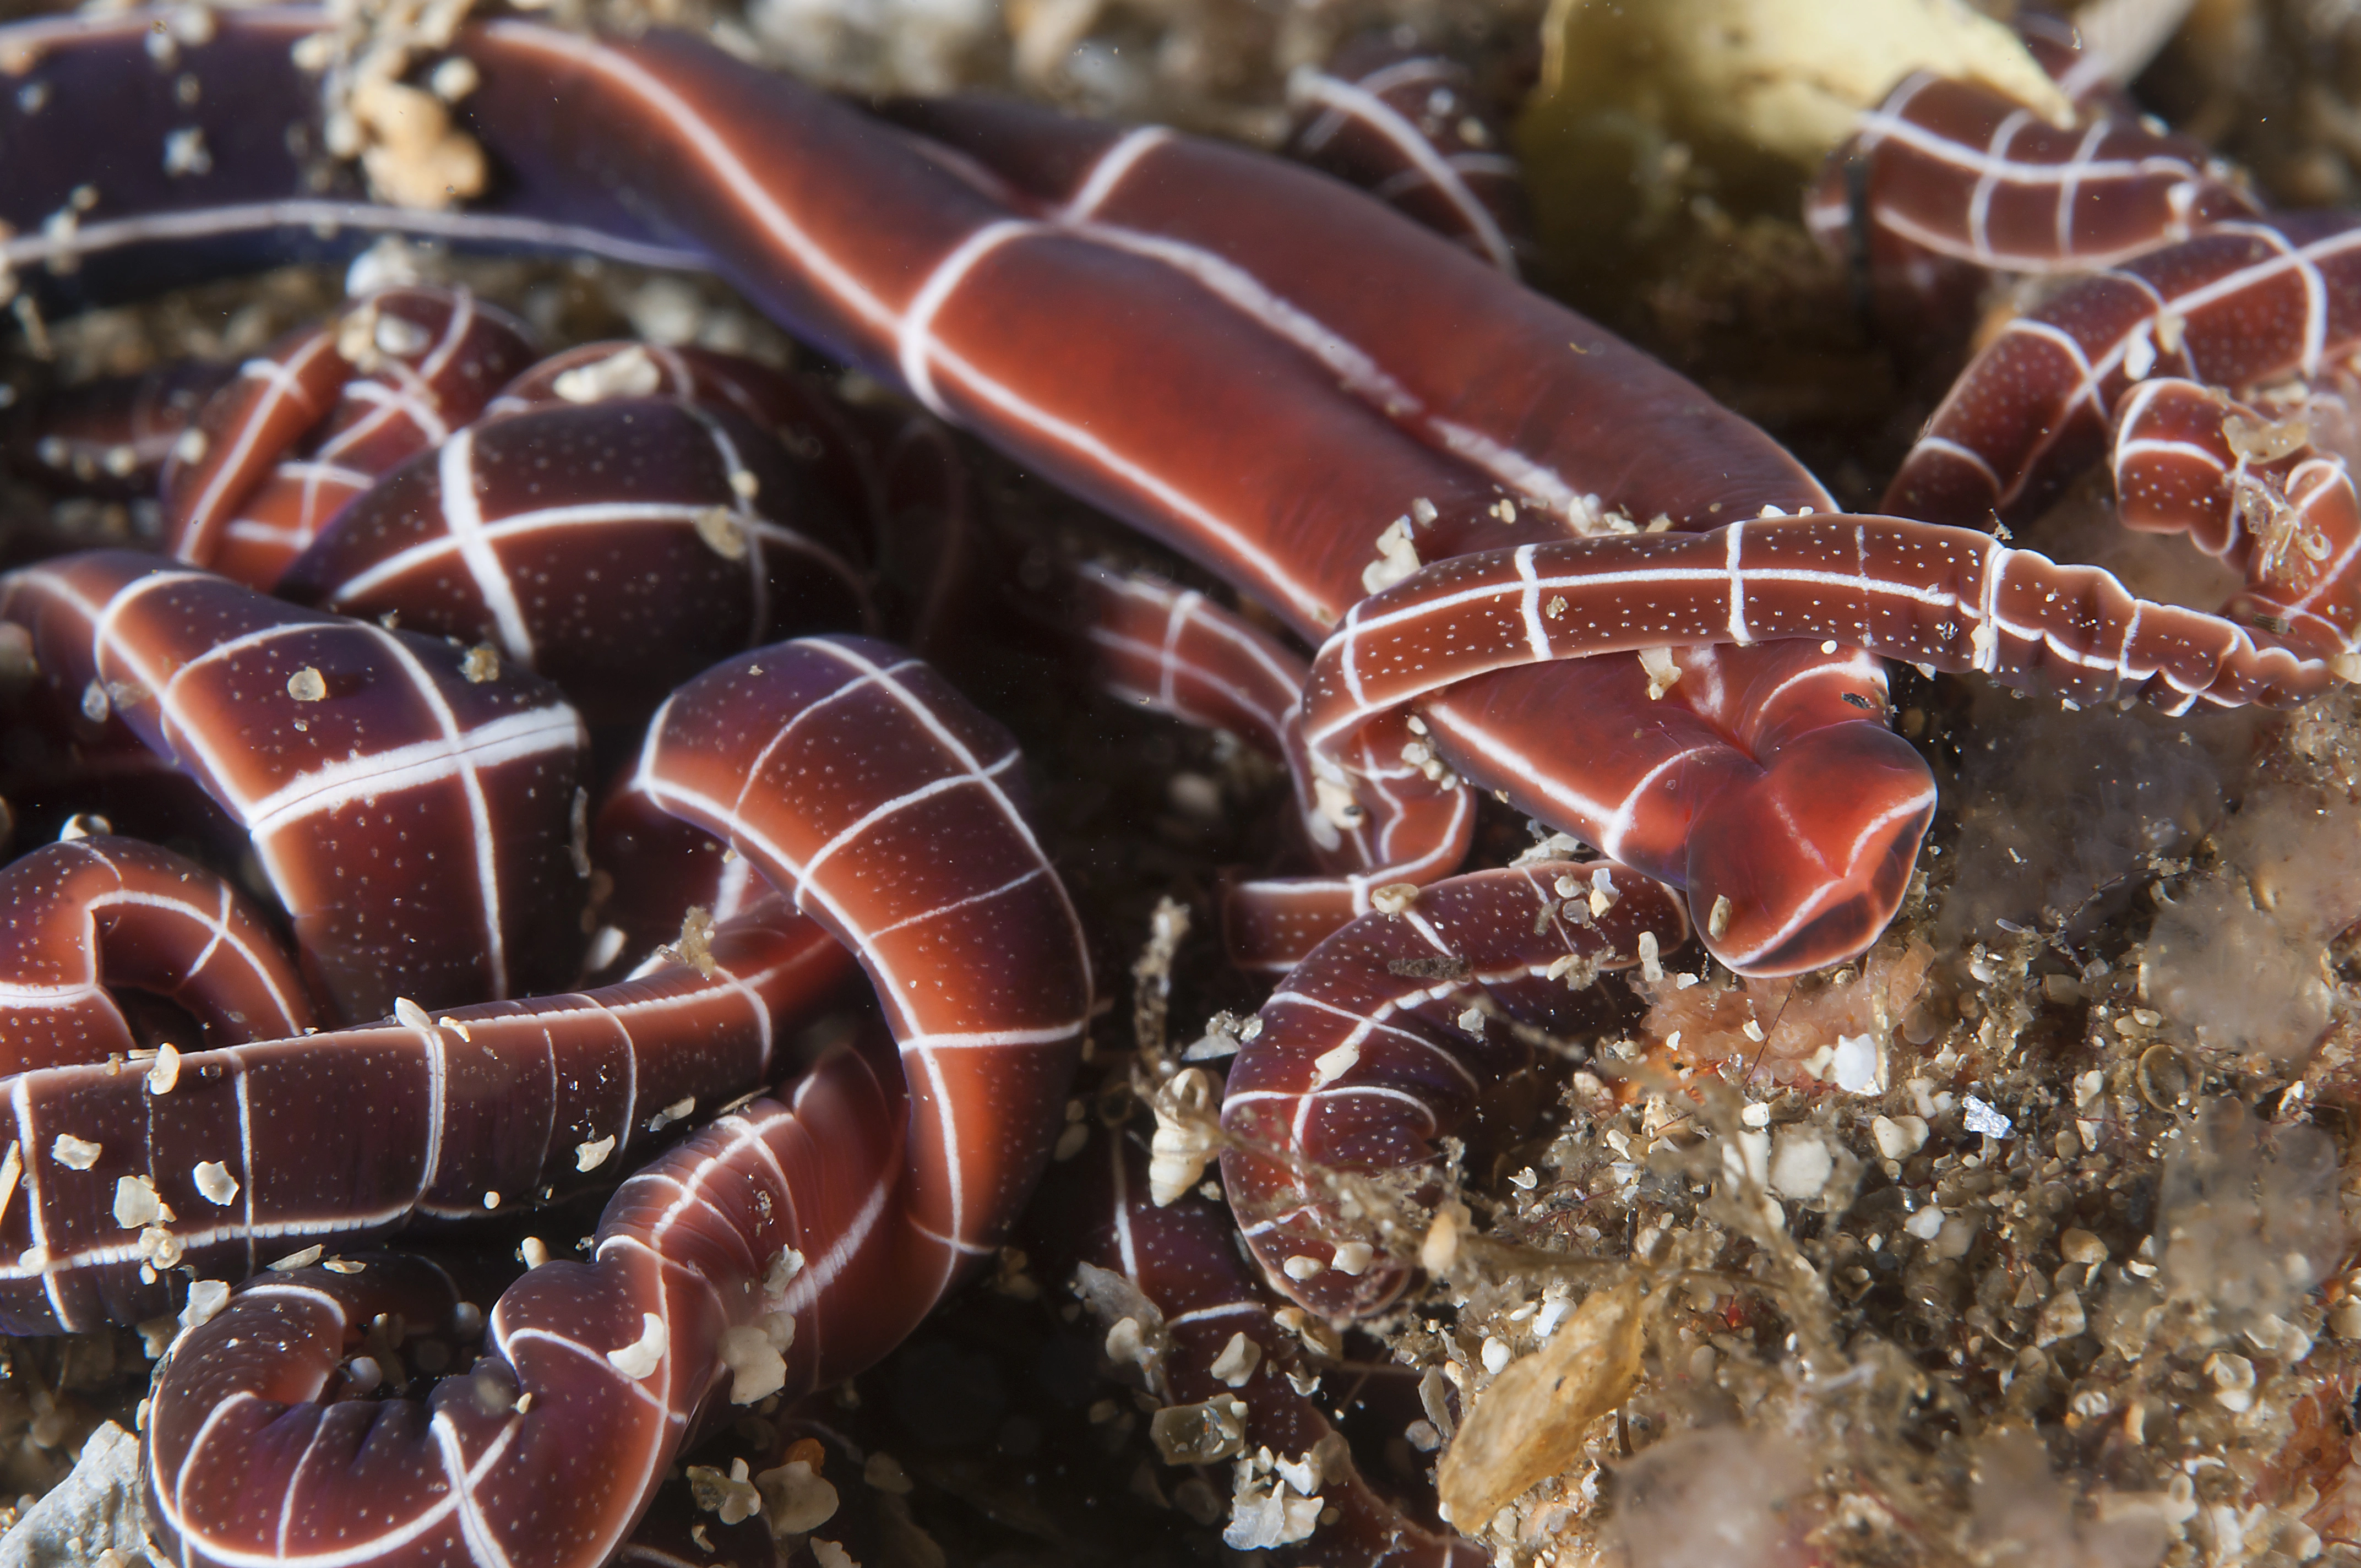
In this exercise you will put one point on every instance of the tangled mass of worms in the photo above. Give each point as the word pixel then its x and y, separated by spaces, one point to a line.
pixel 563 756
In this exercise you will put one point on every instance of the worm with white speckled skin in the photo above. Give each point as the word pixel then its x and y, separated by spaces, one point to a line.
pixel 819 1225
pixel 1404 124
pixel 1400 1030
pixel 2196 299
pixel 1092 301
pixel 247 1154
pixel 1177 652
pixel 411 816
pixel 1956 170
pixel 99 911
pixel 304 428
pixel 1183 1260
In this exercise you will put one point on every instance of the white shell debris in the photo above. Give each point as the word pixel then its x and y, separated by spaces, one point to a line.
pixel 630 374
pixel 135 1203
pixel 1331 1065
pixel 753 1354
pixel 643 1354
pixel 1898 1137
pixel 1187 1127
pixel 1397 559
pixel 206 1296
pixel 795 1499
pixel 1982 1117
pixel 1853 1067
pixel 591 1152
pixel 73 1152
pixel 1237 1361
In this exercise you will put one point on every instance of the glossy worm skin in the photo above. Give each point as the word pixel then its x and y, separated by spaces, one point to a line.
pixel 314 423
pixel 2196 303
pixel 752 1236
pixel 1399 1031
pixel 412 819
pixel 610 547
pixel 81 915
pixel 1177 652
pixel 470 1108
pixel 1182 1258
pixel 946 260
pixel 1954 598
pixel 2236 307
pixel 1956 170
pixel 826 1223
pixel 1407 127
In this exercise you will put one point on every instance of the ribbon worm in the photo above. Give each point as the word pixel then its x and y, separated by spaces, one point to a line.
pixel 826 1223
pixel 1240 1378
pixel 1375 437
pixel 217 1167
pixel 2241 306
pixel 81 915
pixel 616 548
pixel 1406 126
pixel 1954 598
pixel 1181 655
pixel 410 810
pixel 1951 172
pixel 757 1240
pixel 1393 1035
pixel 2197 301
pixel 1956 170
pixel 309 426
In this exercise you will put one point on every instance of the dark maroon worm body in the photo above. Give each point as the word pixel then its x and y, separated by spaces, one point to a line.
pixel 499 1102
pixel 79 916
pixel 1463 419
pixel 1405 125
pixel 1182 1258
pixel 1395 1033
pixel 825 1224
pixel 616 549
pixel 1958 171
pixel 412 818
pixel 305 429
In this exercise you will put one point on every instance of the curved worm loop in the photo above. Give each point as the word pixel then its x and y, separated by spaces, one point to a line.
pixel 2174 469
pixel 412 819
pixel 2253 490
pixel 1950 598
pixel 1177 652
pixel 898 474
pixel 822 1227
pixel 1404 124
pixel 757 1234
pixel 78 916
pixel 247 1149
pixel 1182 1258
pixel 1956 170
pixel 789 756
pixel 616 548
pixel 2244 304
pixel 305 428
pixel 1400 1030
pixel 1486 417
